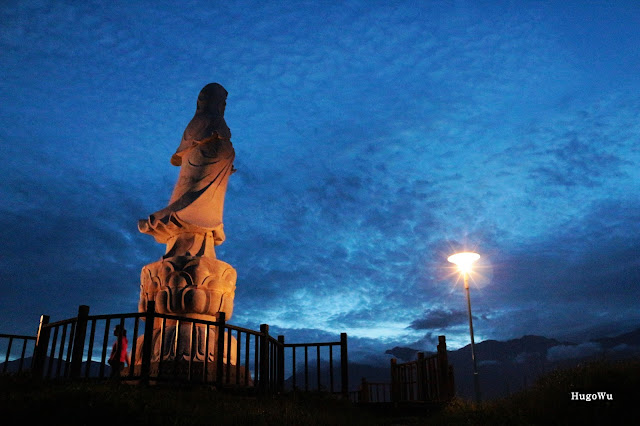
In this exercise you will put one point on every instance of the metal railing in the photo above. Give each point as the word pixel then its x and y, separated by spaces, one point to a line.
pixel 371 393
pixel 27 341
pixel 427 379
pixel 170 348
pixel 328 373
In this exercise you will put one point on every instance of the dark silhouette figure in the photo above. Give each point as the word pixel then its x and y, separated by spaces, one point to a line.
pixel 119 355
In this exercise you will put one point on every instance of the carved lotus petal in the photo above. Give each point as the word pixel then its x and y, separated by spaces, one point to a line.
pixel 162 302
pixel 165 270
pixel 145 278
pixel 195 300
pixel 178 280
pixel 230 276
pixel 209 283
pixel 195 262
pixel 194 270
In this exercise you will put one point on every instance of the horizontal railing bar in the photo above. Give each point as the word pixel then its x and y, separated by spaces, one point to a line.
pixel 137 315
pixel 181 318
pixel 62 322
pixel 299 345
pixel 143 315
pixel 187 319
pixel 116 316
pixel 274 340
pixel 17 336
pixel 242 329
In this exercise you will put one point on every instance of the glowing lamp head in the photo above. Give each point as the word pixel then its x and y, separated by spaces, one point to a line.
pixel 464 260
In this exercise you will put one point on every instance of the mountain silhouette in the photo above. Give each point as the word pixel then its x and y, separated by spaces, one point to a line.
pixel 508 366
pixel 94 369
pixel 629 339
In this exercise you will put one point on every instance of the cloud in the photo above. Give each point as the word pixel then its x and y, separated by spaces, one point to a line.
pixel 365 156
pixel 404 354
pixel 529 357
pixel 562 352
pixel 439 319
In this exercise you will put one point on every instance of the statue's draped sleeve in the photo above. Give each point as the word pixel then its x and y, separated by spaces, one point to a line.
pixel 202 128
pixel 197 200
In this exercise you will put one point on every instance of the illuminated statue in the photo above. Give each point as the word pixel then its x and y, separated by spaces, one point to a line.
pixel 192 222
pixel 189 280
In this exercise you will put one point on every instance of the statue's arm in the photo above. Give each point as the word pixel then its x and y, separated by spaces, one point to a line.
pixel 186 146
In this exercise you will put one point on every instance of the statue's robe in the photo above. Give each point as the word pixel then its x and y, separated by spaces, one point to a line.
pixel 205 157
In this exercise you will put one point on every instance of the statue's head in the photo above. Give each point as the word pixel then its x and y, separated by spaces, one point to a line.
pixel 212 99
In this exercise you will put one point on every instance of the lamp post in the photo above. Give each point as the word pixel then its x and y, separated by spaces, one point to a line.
pixel 464 261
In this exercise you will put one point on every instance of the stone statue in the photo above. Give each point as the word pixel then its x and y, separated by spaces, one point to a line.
pixel 189 280
pixel 192 222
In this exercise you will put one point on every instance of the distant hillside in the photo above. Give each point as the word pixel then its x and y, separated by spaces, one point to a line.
pixel 506 367
pixel 94 369
pixel 629 339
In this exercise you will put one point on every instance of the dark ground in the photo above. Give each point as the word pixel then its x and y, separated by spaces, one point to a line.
pixel 23 401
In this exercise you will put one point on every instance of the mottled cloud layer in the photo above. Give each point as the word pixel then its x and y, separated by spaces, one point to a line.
pixel 372 140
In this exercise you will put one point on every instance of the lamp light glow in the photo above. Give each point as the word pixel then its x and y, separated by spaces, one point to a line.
pixel 464 260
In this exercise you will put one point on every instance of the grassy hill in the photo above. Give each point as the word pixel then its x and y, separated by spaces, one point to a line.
pixel 547 402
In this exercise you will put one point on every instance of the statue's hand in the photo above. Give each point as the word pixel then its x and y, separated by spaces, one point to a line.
pixel 176 160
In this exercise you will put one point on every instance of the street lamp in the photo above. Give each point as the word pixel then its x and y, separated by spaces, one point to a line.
pixel 465 261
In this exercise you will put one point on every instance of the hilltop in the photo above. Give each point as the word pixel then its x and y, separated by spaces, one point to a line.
pixel 509 366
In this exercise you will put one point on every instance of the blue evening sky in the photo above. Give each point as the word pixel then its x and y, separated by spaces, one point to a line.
pixel 372 138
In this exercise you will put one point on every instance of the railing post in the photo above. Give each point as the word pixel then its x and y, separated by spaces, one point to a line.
pixel 344 367
pixel 364 391
pixel 421 378
pixel 446 386
pixel 220 349
pixel 394 380
pixel 280 363
pixel 147 343
pixel 78 341
pixel 6 359
pixel 264 357
pixel 42 343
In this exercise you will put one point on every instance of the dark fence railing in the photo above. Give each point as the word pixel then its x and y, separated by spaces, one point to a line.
pixel 325 375
pixel 427 379
pixel 168 348
pixel 16 344
pixel 371 393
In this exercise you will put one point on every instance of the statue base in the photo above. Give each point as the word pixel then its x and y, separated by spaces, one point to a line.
pixel 168 347
pixel 192 286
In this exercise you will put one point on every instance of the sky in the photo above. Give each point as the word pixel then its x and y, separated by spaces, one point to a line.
pixel 373 139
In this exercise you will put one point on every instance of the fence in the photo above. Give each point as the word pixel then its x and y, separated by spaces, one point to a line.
pixel 427 379
pixel 371 393
pixel 26 342
pixel 344 373
pixel 168 348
